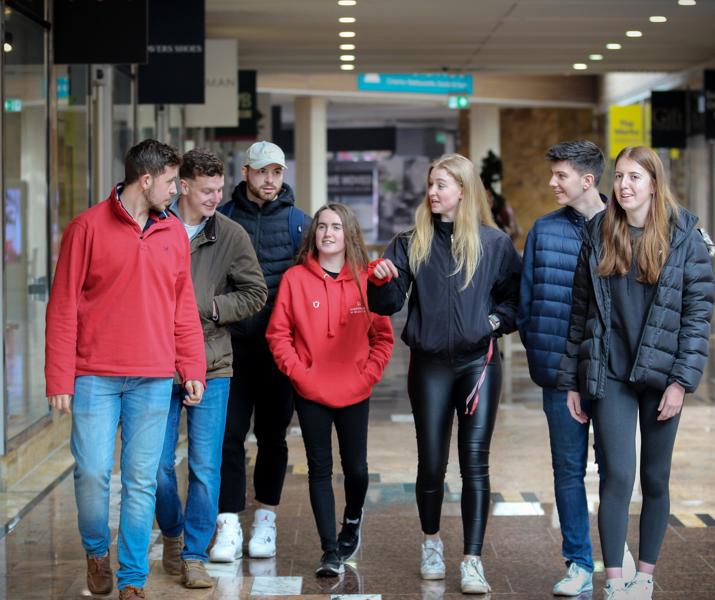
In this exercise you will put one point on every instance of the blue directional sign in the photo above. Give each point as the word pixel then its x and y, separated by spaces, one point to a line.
pixel 416 83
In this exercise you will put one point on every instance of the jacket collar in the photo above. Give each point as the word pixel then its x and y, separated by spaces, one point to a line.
pixel 576 217
pixel 122 213
pixel 207 234
pixel 240 197
pixel 680 227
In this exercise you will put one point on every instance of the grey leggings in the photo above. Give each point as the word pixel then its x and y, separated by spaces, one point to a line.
pixel 614 424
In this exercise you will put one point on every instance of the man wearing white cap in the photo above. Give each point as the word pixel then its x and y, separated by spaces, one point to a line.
pixel 264 205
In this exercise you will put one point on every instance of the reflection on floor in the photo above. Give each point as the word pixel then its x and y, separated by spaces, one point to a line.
pixel 42 556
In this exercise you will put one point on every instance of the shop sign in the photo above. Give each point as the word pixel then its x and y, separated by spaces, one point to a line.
pixel 415 83
pixel 175 71
pixel 669 119
pixel 625 128
pixel 88 31
pixel 248 114
pixel 220 108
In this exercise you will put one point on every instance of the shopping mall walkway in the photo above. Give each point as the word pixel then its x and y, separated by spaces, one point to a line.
pixel 41 557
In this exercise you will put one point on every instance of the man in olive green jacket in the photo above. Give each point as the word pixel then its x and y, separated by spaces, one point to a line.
pixel 229 286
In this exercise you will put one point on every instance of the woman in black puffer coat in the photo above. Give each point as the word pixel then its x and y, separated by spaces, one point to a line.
pixel 638 341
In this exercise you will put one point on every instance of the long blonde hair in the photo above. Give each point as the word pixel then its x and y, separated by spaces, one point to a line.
pixel 472 210
pixel 652 248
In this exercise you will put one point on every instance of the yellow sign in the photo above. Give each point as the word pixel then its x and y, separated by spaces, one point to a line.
pixel 625 128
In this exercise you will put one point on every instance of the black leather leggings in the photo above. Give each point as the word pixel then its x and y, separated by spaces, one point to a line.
pixel 437 390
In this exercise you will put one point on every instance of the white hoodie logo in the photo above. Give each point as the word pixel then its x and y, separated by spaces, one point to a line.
pixel 316 304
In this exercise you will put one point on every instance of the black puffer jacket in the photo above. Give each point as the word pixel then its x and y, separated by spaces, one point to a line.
pixel 443 320
pixel 267 226
pixel 675 338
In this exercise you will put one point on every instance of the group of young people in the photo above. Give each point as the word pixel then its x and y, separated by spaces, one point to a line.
pixel 613 302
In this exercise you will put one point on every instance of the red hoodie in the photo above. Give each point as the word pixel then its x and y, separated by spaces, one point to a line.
pixel 322 339
pixel 122 301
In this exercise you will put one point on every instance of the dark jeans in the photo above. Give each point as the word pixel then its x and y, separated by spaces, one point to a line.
pixel 316 423
pixel 614 422
pixel 437 390
pixel 260 390
pixel 569 455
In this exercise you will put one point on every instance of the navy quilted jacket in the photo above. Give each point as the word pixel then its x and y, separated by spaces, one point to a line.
pixel 267 226
pixel 549 262
pixel 675 338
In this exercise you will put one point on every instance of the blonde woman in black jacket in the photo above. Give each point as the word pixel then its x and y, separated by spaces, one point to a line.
pixel 463 277
pixel 638 341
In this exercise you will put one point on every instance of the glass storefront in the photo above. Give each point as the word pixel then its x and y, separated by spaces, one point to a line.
pixel 25 211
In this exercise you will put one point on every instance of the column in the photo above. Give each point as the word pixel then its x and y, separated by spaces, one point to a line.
pixel 310 151
pixel 483 132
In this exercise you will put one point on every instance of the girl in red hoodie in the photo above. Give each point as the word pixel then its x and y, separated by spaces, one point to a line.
pixel 333 350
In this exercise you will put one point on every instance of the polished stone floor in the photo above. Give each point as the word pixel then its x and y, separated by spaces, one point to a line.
pixel 41 556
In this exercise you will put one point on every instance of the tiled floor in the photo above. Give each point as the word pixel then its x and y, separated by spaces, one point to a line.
pixel 42 557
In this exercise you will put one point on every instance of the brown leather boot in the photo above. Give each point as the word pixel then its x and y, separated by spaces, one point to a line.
pixel 171 554
pixel 132 593
pixel 194 575
pixel 99 574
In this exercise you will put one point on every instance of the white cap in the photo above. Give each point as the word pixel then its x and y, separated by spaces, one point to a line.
pixel 262 154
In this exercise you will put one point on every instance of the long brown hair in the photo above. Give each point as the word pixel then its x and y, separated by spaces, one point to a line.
pixel 652 248
pixel 472 210
pixel 355 251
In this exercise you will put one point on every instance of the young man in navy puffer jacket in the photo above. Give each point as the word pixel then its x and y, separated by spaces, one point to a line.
pixel 550 256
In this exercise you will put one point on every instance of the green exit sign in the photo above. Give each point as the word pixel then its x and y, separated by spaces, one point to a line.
pixel 457 102
pixel 13 105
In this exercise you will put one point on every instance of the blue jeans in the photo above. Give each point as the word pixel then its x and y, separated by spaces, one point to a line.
pixel 205 423
pixel 99 405
pixel 569 454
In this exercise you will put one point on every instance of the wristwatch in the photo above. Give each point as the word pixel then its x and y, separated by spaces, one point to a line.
pixel 495 322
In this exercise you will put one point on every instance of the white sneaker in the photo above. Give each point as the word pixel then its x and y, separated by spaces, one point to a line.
pixel 473 580
pixel 228 545
pixel 432 563
pixel 617 592
pixel 577 581
pixel 263 535
pixel 640 587
pixel 629 565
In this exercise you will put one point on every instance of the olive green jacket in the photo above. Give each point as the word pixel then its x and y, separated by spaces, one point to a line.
pixel 226 274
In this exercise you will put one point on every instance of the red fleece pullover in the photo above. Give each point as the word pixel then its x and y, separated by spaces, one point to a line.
pixel 122 301
pixel 322 339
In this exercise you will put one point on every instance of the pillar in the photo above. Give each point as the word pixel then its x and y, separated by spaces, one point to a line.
pixel 310 151
pixel 483 132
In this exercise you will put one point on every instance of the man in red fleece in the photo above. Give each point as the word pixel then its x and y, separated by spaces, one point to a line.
pixel 121 320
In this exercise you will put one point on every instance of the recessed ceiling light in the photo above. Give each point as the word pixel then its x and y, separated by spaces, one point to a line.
pixel 347 34
pixel 634 33
pixel 347 57
pixel 686 2
pixel 347 2
pixel 347 67
pixel 613 46
pixel 595 57
pixel 346 20
pixel 657 19
pixel 347 46
pixel 580 66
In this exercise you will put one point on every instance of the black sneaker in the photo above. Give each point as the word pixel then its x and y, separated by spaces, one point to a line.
pixel 349 539
pixel 330 565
